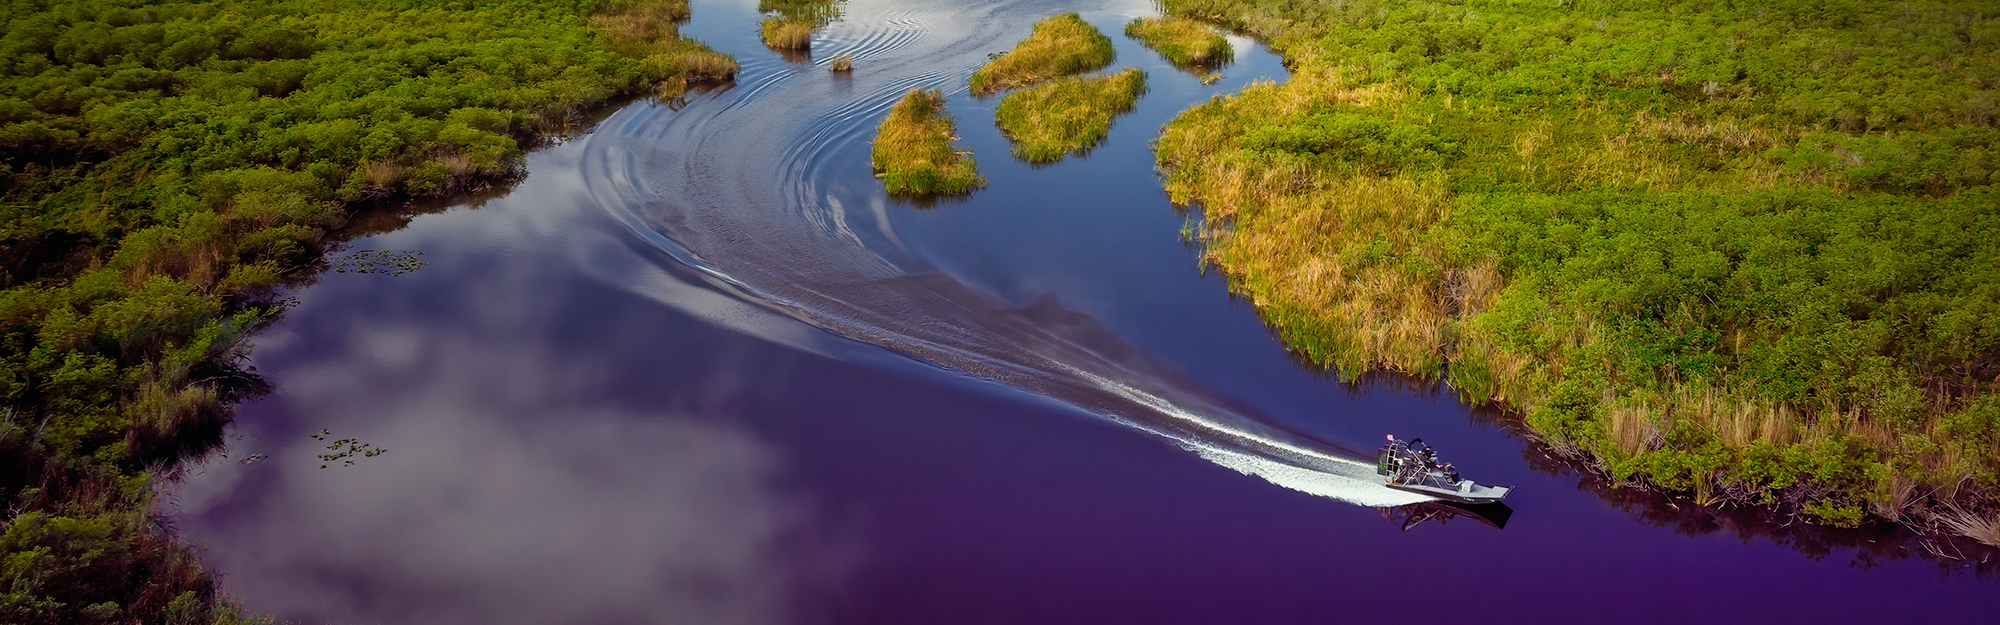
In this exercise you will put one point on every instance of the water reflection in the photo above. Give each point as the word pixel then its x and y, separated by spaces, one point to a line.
pixel 587 428
pixel 1494 515
pixel 504 502
pixel 1872 544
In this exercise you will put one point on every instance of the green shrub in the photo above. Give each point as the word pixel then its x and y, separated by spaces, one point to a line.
pixel 164 165
pixel 1767 223
pixel 1357 142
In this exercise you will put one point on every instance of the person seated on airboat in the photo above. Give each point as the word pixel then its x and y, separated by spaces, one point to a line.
pixel 1414 467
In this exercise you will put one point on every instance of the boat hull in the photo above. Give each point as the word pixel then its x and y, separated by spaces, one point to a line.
pixel 1475 493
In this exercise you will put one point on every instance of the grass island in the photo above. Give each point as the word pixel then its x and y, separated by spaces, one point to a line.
pixel 791 23
pixel 913 154
pixel 1189 44
pixel 1067 115
pixel 1059 45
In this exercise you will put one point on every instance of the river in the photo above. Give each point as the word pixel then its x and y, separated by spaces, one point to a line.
pixel 698 368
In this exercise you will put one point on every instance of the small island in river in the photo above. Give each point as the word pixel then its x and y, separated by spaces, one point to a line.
pixel 1060 45
pixel 913 154
pixel 1067 115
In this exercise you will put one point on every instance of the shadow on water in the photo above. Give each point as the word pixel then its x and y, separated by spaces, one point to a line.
pixel 1494 515
pixel 933 201
pixel 1871 544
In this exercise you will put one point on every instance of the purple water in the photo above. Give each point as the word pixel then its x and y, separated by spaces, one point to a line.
pixel 698 369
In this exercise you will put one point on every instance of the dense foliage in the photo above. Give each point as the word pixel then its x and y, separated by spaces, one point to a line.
pixel 1059 45
pixel 1069 114
pixel 165 164
pixel 912 151
pixel 1188 44
pixel 1736 250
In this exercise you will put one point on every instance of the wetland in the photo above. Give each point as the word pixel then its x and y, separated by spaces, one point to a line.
pixel 694 363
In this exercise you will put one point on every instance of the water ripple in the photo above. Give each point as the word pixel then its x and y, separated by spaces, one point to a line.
pixel 756 189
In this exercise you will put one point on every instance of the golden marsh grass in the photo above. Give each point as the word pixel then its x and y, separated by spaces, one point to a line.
pixel 913 154
pixel 1067 115
pixel 1060 45
pixel 648 30
pixel 781 33
pixel 791 23
pixel 1188 44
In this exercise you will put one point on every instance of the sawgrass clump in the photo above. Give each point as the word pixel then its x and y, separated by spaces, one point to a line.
pixel 780 33
pixel 1188 44
pixel 1067 115
pixel 913 154
pixel 1059 45
pixel 791 23
pixel 649 30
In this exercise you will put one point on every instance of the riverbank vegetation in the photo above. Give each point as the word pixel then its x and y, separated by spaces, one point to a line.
pixel 1059 45
pixel 791 23
pixel 1740 254
pixel 165 166
pixel 1067 115
pixel 649 30
pixel 913 154
pixel 1188 44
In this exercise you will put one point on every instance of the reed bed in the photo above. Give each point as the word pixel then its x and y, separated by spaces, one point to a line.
pixel 649 30
pixel 913 154
pixel 1059 45
pixel 778 32
pixel 841 63
pixel 629 22
pixel 791 23
pixel 1985 529
pixel 1188 44
pixel 1067 115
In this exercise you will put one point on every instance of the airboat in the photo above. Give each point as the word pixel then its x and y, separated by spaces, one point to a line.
pixel 1413 467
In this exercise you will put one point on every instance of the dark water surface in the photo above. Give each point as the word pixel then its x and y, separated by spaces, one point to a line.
pixel 699 369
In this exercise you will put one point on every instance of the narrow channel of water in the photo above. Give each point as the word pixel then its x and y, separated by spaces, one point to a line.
pixel 699 369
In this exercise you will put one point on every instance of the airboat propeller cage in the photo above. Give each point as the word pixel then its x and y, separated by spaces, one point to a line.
pixel 1403 467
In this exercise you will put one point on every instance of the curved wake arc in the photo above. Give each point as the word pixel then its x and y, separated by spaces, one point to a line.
pixel 755 193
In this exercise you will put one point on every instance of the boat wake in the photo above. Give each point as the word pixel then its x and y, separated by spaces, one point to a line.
pixel 764 191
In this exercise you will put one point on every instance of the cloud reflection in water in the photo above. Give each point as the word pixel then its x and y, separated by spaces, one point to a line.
pixel 492 508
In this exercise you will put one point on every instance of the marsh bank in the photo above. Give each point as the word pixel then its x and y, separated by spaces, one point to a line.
pixel 699 367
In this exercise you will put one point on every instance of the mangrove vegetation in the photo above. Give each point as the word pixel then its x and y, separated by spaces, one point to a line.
pixel 1059 45
pixel 1741 252
pixel 165 165
pixel 1067 115
pixel 913 154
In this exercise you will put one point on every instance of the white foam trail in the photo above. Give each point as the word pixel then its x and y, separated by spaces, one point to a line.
pixel 1365 490
pixel 1333 476
pixel 796 249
